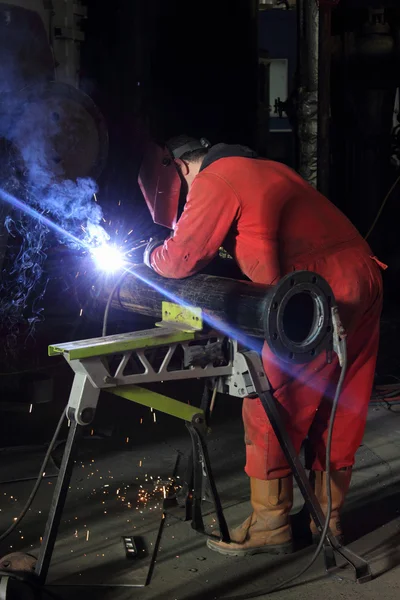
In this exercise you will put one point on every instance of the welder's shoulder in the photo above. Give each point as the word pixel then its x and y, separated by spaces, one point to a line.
pixel 230 172
pixel 243 176
pixel 241 169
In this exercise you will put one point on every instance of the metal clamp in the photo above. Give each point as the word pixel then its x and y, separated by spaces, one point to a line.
pixel 339 333
pixel 83 400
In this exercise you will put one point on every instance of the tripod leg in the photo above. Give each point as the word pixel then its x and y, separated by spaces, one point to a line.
pixel 184 496
pixel 81 409
pixel 196 492
pixel 57 503
pixel 215 499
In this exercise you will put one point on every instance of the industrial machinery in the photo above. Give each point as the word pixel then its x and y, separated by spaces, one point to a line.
pixel 203 341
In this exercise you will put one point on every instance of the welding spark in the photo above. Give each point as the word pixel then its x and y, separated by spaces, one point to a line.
pixel 108 258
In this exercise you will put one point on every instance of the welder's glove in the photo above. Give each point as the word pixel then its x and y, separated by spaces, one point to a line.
pixel 152 245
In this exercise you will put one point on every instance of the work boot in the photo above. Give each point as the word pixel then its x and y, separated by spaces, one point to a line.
pixel 340 483
pixel 268 528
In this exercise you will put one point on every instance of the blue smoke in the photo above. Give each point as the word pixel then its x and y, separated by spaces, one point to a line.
pixel 39 220
pixel 36 198
pixel 23 278
pixel 45 198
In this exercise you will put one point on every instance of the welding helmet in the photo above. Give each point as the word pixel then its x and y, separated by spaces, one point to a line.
pixel 159 179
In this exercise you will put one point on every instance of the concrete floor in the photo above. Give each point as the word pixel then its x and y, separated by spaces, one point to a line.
pixel 112 495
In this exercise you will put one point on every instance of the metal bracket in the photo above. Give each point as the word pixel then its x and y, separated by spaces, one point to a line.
pixel 181 317
pixel 83 400
pixel 241 383
pixel 339 333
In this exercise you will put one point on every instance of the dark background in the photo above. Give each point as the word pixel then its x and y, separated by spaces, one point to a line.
pixel 170 67
pixel 174 67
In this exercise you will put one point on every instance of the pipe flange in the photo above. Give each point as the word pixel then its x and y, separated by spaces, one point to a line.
pixel 298 317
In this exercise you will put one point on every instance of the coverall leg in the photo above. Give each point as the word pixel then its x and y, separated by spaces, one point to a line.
pixel 305 393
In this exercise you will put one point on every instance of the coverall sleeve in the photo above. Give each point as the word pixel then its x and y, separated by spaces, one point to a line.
pixel 211 208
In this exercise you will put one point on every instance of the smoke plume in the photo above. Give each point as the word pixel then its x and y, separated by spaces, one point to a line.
pixel 36 170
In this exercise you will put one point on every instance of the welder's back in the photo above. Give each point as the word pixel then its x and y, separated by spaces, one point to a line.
pixel 283 223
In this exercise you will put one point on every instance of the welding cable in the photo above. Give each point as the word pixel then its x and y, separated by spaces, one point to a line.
pixel 109 301
pixel 38 480
pixel 286 583
pixel 382 206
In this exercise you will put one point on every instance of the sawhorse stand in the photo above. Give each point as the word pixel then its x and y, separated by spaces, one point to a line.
pixel 176 350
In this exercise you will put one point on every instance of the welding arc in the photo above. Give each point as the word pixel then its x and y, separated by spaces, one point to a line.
pixel 38 480
pixel 286 583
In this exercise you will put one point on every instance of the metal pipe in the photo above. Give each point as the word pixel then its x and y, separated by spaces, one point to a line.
pixel 293 316
pixel 307 118
pixel 239 303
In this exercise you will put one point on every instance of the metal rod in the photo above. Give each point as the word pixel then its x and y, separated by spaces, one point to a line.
pixel 222 525
pixel 58 503
pixel 156 548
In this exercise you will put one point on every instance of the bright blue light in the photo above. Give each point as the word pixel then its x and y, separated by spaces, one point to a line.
pixel 37 215
pixel 108 258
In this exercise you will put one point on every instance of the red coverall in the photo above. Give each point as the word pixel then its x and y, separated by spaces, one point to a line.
pixel 272 222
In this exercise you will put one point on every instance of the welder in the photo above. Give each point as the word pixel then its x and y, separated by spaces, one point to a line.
pixel 272 223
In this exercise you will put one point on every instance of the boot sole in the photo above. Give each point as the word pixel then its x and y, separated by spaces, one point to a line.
pixel 274 550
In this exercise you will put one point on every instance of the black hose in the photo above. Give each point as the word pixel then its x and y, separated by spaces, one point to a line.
pixel 38 481
pixel 109 301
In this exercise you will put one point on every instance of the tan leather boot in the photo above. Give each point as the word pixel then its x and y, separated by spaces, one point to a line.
pixel 268 528
pixel 340 483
